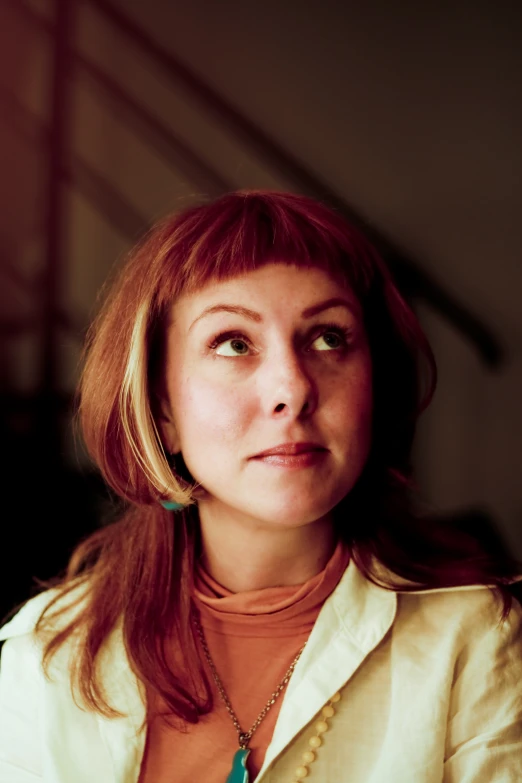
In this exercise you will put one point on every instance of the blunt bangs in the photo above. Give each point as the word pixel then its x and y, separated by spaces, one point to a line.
pixel 243 231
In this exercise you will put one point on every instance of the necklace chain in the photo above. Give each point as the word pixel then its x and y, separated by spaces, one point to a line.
pixel 244 736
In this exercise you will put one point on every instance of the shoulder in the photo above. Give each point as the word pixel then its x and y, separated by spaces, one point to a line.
pixel 23 661
pixel 449 618
pixel 466 621
pixel 63 605
pixel 478 602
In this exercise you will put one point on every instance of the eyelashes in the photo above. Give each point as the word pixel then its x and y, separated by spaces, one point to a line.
pixel 240 344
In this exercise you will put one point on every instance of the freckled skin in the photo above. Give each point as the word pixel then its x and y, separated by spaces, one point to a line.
pixel 282 382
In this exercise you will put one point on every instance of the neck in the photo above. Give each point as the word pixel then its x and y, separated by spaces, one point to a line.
pixel 242 556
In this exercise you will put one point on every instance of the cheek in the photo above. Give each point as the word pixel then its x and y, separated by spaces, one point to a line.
pixel 363 401
pixel 356 415
pixel 363 387
pixel 351 415
pixel 363 406
pixel 353 390
pixel 207 411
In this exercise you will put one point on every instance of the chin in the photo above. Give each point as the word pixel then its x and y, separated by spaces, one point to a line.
pixel 277 508
pixel 296 515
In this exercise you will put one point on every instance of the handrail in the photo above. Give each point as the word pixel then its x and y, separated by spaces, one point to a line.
pixel 59 141
pixel 92 185
pixel 157 135
pixel 413 280
pixel 164 141
pixel 78 173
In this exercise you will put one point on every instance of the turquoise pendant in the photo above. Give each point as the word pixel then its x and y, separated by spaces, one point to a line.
pixel 239 772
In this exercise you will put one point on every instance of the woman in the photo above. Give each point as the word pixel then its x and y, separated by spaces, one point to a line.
pixel 273 604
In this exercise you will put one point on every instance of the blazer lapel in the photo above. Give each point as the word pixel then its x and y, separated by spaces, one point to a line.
pixel 352 622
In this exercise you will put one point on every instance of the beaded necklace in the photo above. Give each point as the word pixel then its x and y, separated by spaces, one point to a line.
pixel 316 740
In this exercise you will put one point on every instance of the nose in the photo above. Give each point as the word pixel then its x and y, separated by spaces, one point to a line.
pixel 289 388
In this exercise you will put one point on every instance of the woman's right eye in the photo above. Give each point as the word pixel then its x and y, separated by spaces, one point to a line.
pixel 233 346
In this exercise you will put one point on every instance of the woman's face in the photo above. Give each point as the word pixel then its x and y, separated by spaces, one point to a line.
pixel 269 393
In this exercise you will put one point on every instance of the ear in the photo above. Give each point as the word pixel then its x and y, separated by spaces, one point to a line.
pixel 167 428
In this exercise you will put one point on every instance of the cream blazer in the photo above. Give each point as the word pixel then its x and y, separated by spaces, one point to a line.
pixel 431 693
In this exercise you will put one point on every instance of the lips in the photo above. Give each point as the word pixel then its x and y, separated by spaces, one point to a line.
pixel 290 450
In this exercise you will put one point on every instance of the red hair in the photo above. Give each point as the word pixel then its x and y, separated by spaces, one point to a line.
pixel 142 565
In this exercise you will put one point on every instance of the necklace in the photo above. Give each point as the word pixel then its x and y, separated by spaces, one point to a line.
pixel 239 773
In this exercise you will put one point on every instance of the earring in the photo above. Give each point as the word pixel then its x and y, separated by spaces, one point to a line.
pixel 171 506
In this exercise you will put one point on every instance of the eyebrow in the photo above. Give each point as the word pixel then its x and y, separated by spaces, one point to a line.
pixel 336 301
pixel 226 308
pixel 254 316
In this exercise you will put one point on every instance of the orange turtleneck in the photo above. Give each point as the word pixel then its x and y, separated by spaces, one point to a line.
pixel 252 638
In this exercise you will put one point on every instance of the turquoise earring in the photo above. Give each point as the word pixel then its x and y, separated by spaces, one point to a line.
pixel 171 506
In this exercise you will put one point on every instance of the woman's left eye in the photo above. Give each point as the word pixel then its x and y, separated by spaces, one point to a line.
pixel 330 340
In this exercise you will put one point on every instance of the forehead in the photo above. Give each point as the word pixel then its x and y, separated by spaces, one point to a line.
pixel 273 286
